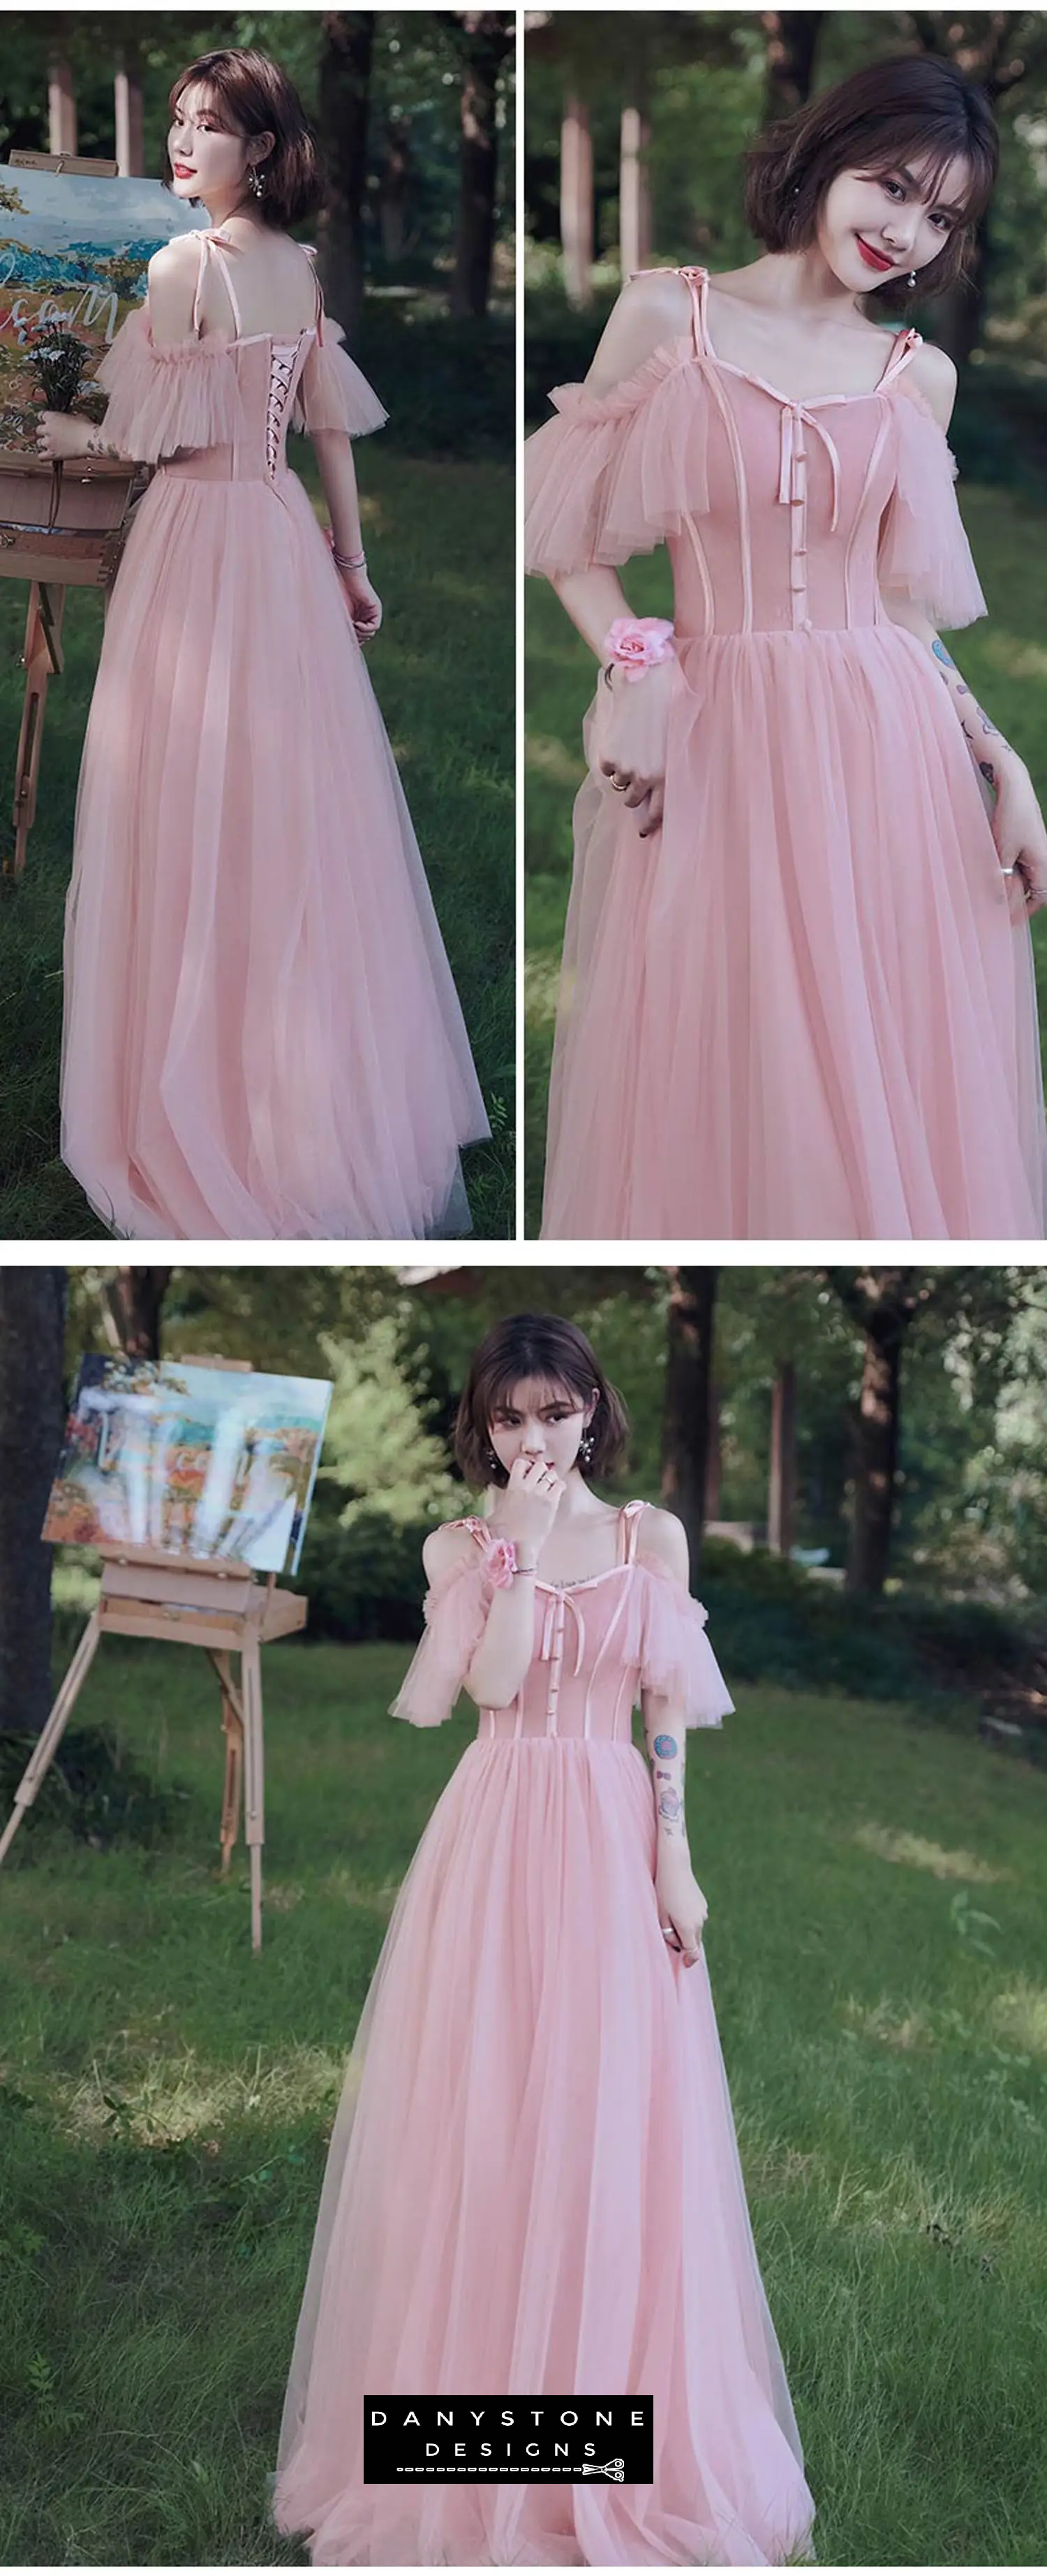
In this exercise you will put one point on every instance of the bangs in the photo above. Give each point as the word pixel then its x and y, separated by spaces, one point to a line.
pixel 501 1388
pixel 213 97
pixel 929 153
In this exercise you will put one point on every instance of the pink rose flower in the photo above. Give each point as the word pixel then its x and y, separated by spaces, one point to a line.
pixel 500 1561
pixel 639 644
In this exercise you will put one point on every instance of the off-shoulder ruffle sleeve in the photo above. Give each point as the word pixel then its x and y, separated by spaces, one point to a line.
pixel 455 1618
pixel 615 473
pixel 667 1641
pixel 332 392
pixel 923 543
pixel 164 399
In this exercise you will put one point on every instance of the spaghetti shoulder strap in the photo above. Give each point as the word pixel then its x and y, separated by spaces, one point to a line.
pixel 205 245
pixel 229 287
pixel 904 347
pixel 629 1530
pixel 210 248
pixel 310 252
pixel 697 282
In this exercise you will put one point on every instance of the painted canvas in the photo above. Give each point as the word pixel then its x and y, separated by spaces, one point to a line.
pixel 73 259
pixel 201 1462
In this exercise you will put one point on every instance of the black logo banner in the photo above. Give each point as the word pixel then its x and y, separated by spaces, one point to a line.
pixel 422 2441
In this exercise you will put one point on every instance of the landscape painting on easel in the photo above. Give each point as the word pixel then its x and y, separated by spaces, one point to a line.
pixel 73 258
pixel 200 1462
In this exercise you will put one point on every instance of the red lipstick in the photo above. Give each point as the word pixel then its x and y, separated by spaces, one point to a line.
pixel 873 258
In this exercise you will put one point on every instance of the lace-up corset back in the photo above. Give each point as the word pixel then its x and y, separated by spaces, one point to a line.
pixel 268 372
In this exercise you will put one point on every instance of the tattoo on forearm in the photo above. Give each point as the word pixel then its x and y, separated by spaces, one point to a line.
pixel 959 689
pixel 668 1755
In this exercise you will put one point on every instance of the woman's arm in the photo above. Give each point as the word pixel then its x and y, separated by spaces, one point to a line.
pixel 334 456
pixel 524 1514
pixel 682 1908
pixel 650 310
pixel 170 299
pixel 1017 822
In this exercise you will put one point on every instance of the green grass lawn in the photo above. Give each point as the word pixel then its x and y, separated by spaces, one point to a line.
pixel 440 537
pixel 1004 659
pixel 165 2099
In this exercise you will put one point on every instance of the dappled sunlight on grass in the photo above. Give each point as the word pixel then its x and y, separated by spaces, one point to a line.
pixel 352 1890
pixel 541 985
pixel 882 2021
pixel 1020 2014
pixel 162 2099
pixel 553 760
pixel 1015 655
pixel 913 1851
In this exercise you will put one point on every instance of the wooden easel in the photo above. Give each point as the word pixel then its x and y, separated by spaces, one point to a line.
pixel 93 496
pixel 224 1609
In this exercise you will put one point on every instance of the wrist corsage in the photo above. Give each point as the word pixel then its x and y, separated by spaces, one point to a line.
pixel 500 1561
pixel 638 644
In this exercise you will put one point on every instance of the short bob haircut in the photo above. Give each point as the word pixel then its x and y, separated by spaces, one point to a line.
pixel 254 96
pixel 889 114
pixel 546 1347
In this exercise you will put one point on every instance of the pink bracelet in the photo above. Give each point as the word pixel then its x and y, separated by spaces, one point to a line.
pixel 639 644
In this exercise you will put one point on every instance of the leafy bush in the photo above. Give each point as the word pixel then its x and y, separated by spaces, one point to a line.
pixel 448 385
pixel 769 1621
pixel 364 1581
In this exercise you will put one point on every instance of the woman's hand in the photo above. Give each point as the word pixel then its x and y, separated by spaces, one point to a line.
pixel 682 1909
pixel 1019 831
pixel 63 433
pixel 631 734
pixel 527 1506
pixel 365 607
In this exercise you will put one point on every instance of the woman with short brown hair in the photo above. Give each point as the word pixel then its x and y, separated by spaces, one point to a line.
pixel 797 995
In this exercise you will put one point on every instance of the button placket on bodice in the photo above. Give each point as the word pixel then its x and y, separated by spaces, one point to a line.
pixel 792 490
pixel 795 417
pixel 551 1647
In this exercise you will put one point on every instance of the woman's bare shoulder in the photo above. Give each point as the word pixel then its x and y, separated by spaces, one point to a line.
pixel 932 373
pixel 653 308
pixel 447 1547
pixel 663 1541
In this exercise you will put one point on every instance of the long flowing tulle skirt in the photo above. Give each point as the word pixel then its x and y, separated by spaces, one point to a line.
pixel 533 2185
pixel 262 1035
pixel 807 1006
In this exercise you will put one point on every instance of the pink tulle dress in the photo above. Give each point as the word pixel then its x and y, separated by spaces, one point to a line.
pixel 262 1036
pixel 806 1006
pixel 533 2184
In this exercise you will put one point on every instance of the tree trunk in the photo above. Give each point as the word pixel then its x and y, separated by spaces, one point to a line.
pixel 347 41
pixel 395 185
pixel 32 1418
pixel 688 1392
pixel 135 1301
pixel 876 1463
pixel 488 38
pixel 714 1460
pixel 792 40
pixel 576 202
pixel 127 102
pixel 781 1504
pixel 634 193
pixel 61 105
